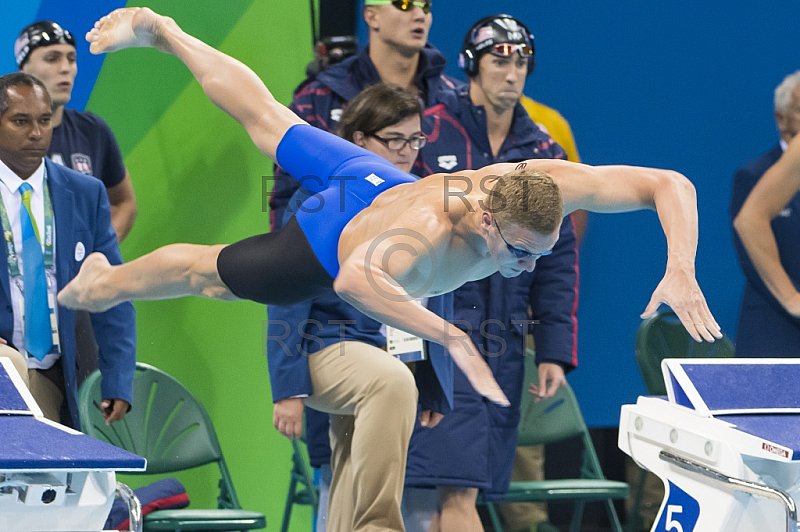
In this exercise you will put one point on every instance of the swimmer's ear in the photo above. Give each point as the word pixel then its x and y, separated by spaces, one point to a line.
pixel 486 219
pixel 359 139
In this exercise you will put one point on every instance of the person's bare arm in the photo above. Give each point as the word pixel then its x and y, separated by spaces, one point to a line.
pixel 123 206
pixel 772 193
pixel 672 196
pixel 231 85
pixel 366 280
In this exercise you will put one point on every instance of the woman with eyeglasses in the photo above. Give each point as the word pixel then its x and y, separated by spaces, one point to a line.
pixel 384 119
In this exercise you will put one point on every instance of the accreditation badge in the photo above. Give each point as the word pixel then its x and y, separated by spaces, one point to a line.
pixel 404 346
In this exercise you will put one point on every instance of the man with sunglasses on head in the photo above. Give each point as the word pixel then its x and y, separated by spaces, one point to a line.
pixel 473 446
pixel 398 53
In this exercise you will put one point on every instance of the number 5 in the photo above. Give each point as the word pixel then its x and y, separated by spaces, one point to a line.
pixel 672 524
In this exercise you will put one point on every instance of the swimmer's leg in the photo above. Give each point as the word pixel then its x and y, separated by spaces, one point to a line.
pixel 235 89
pixel 169 272
pixel 230 84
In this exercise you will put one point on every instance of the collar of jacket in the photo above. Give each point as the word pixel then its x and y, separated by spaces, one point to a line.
pixel 523 130
pixel 349 77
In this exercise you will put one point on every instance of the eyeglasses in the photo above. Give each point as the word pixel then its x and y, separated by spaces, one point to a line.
pixel 518 252
pixel 403 5
pixel 398 143
pixel 506 49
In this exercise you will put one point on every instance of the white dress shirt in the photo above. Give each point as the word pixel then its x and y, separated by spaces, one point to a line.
pixel 12 199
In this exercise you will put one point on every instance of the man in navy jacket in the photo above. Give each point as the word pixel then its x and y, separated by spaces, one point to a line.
pixel 473 447
pixel 82 225
pixel 765 328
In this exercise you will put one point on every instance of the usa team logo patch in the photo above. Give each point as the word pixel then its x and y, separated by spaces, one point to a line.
pixel 82 163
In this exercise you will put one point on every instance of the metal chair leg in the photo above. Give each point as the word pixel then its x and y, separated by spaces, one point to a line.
pixel 134 507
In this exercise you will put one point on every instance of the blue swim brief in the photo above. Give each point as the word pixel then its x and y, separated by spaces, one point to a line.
pixel 343 178
pixel 300 261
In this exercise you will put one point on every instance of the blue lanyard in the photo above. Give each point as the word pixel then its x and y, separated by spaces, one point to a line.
pixel 11 251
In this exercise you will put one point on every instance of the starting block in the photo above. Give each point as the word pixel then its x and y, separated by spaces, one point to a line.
pixel 725 442
pixel 53 477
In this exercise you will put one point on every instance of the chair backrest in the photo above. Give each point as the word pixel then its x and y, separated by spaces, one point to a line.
pixel 554 419
pixel 168 426
pixel 549 420
pixel 663 336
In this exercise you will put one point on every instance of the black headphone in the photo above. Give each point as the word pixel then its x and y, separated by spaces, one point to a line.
pixel 468 57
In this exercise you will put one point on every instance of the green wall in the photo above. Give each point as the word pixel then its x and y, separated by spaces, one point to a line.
pixel 198 179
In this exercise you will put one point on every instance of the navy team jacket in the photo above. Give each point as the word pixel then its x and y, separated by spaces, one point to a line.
pixel 474 445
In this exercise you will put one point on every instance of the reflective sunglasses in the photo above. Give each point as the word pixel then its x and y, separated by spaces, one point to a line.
pixel 403 5
pixel 506 49
pixel 518 252
pixel 398 143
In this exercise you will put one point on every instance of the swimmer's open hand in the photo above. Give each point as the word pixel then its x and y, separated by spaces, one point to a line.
pixel 133 27
pixel 679 290
pixel 477 371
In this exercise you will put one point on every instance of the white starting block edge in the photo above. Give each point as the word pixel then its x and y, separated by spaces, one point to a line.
pixel 53 477
pixel 734 429
pixel 659 426
pixel 703 443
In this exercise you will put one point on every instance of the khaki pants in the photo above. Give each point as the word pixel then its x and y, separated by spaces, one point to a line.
pixel 372 399
pixel 46 385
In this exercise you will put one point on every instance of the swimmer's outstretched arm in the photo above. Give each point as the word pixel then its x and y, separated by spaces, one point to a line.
pixel 628 188
pixel 172 271
pixel 673 197
pixel 367 280
pixel 768 198
pixel 230 84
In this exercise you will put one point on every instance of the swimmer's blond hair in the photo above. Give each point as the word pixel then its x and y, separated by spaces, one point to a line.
pixel 529 199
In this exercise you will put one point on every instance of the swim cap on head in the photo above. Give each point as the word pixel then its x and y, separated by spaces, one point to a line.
pixel 42 33
pixel 501 35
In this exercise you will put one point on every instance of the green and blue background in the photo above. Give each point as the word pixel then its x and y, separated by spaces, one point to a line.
pixel 682 84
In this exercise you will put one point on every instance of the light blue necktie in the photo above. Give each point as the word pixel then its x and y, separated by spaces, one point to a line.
pixel 38 336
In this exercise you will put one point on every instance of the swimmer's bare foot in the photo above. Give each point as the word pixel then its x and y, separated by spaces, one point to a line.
pixel 133 27
pixel 84 291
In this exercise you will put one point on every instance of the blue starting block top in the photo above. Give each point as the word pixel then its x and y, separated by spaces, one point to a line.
pixel 757 396
pixel 31 443
pixel 14 398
